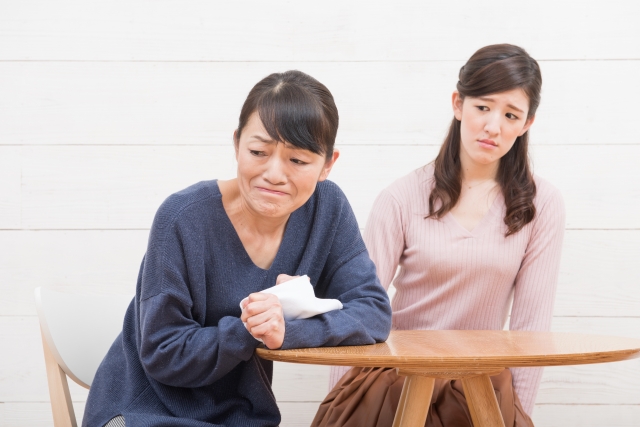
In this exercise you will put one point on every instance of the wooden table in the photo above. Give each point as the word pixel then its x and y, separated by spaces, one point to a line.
pixel 471 356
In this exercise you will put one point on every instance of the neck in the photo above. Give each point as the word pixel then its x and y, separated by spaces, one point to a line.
pixel 473 172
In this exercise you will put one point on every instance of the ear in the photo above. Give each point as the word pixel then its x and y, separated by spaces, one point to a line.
pixel 456 103
pixel 328 165
pixel 527 125
pixel 236 142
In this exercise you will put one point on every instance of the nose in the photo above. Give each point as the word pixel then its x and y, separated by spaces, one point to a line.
pixel 274 173
pixel 492 125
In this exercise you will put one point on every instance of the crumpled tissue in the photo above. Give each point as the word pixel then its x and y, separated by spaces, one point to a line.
pixel 298 299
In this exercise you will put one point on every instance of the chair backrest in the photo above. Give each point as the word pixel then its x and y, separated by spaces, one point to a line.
pixel 77 331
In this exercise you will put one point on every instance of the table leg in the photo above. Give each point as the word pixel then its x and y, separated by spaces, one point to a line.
pixel 482 402
pixel 415 401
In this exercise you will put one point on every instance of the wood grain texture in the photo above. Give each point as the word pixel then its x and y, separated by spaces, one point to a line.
pixel 413 406
pixel 469 350
pixel 174 103
pixel 106 187
pixel 333 30
pixel 61 404
pixel 483 405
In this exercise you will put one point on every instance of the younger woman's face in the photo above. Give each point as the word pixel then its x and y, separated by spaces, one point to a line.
pixel 276 178
pixel 490 124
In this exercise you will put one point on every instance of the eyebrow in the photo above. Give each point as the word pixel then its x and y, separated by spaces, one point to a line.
pixel 265 140
pixel 513 107
pixel 271 141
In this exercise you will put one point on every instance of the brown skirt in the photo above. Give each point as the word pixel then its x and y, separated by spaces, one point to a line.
pixel 368 397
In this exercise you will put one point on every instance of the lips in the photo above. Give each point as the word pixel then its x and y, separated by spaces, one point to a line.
pixel 270 191
pixel 488 142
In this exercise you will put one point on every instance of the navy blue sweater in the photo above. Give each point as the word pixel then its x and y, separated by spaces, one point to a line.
pixel 184 358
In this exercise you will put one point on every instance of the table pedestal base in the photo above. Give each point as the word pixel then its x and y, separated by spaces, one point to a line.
pixel 415 399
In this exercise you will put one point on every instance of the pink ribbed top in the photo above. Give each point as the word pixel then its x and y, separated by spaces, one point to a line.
pixel 452 278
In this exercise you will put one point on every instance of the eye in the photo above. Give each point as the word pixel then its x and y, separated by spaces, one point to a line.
pixel 482 107
pixel 511 116
pixel 257 153
pixel 298 161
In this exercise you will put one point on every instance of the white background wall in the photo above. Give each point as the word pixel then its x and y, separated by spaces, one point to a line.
pixel 108 107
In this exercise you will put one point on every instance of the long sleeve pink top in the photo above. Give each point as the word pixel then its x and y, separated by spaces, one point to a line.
pixel 453 278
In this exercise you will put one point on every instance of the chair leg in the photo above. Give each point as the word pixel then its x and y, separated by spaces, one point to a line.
pixel 61 405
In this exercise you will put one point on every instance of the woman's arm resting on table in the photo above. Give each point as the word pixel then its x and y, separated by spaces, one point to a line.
pixel 177 351
pixel 364 319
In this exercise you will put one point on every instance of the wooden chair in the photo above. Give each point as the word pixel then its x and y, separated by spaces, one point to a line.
pixel 77 331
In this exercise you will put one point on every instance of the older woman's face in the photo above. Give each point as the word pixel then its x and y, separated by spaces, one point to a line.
pixel 276 178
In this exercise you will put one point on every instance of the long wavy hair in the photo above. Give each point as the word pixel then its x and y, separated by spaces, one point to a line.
pixel 492 69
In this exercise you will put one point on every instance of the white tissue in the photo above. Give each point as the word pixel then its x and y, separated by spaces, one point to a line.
pixel 298 300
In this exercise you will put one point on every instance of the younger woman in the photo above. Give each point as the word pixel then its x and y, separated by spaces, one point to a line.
pixel 471 233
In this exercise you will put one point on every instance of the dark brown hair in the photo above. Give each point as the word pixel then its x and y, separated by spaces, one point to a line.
pixel 296 108
pixel 492 69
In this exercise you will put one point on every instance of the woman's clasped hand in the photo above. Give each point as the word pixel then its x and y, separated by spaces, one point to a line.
pixel 263 316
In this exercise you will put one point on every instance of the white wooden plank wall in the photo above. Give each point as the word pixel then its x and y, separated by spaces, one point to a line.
pixel 107 108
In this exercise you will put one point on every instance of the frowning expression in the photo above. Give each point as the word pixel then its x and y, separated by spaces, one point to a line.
pixel 275 177
pixel 490 124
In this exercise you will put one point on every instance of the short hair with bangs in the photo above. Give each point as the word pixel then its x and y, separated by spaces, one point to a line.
pixel 295 108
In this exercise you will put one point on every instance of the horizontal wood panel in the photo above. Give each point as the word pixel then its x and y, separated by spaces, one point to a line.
pixel 10 191
pixel 599 274
pixel 379 103
pixel 32 414
pixel 300 414
pixel 101 187
pixel 586 415
pixel 24 378
pixel 332 30
pixel 105 262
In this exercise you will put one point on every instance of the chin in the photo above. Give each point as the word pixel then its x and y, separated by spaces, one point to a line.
pixel 271 209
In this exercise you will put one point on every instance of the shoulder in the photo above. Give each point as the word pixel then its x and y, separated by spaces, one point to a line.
pixel 195 197
pixel 547 195
pixel 329 199
pixel 410 192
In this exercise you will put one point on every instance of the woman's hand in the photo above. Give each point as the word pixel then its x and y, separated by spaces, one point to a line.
pixel 284 278
pixel 263 316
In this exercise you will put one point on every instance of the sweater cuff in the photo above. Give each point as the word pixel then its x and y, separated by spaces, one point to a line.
pixel 295 335
pixel 246 343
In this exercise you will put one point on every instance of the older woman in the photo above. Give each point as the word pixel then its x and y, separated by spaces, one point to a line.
pixel 186 353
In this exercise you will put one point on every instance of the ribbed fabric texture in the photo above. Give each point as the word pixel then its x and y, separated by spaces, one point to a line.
pixel 452 278
pixel 184 358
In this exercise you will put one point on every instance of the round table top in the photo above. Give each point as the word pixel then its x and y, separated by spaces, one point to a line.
pixel 469 350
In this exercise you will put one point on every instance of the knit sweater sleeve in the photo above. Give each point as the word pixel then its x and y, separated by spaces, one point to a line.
pixel 384 236
pixel 536 282
pixel 175 348
pixel 349 276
